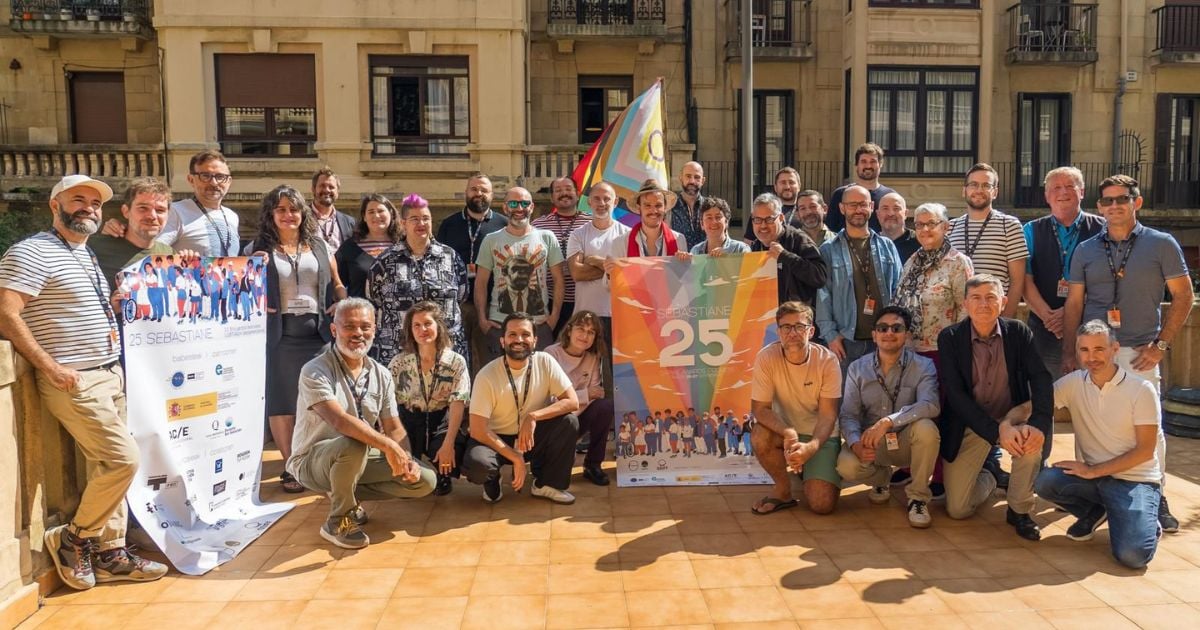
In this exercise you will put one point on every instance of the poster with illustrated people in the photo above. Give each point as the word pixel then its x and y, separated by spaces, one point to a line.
pixel 685 335
pixel 194 334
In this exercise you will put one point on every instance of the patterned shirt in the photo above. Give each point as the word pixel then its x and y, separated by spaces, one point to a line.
pixel 942 297
pixel 447 383
pixel 398 280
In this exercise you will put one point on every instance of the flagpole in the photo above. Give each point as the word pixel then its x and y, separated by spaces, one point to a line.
pixel 748 148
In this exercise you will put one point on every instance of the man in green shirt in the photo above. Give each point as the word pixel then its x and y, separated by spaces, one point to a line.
pixel 145 207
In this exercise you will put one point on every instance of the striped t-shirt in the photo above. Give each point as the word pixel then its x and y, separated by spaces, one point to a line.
pixel 64 313
pixel 561 228
pixel 991 243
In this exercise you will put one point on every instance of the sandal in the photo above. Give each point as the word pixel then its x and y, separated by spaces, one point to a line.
pixel 777 505
pixel 289 483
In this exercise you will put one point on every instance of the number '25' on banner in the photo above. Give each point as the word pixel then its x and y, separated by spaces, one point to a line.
pixel 685 336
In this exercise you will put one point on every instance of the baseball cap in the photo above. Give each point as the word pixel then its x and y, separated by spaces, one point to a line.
pixel 71 181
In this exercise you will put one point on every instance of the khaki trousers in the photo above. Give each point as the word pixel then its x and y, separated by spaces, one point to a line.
pixel 349 471
pixel 919 442
pixel 967 486
pixel 94 414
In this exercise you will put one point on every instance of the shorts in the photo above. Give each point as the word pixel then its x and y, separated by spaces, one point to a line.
pixel 823 465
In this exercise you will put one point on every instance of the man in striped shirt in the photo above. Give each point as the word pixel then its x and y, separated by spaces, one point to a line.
pixel 54 308
pixel 561 221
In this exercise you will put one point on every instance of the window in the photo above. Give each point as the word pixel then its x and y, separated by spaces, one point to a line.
pixel 1043 142
pixel 601 100
pixel 1177 151
pixel 904 4
pixel 420 105
pixel 774 134
pixel 924 119
pixel 98 108
pixel 267 104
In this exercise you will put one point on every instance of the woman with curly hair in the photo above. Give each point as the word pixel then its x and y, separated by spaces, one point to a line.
pixel 378 229
pixel 579 348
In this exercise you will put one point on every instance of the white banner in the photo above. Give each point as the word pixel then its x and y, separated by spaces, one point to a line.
pixel 195 355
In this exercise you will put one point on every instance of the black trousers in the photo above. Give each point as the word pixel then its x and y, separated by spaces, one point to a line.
pixel 427 434
pixel 550 460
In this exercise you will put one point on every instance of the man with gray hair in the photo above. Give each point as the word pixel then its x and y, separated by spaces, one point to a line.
pixel 802 271
pixel 349 441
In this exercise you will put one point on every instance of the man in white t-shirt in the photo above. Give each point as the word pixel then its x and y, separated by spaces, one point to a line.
pixel 522 408
pixel 1116 471
pixel 201 223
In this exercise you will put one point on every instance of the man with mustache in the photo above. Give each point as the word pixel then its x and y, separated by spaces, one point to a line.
pixel 561 221
pixel 809 215
pixel 802 271
pixel 349 441
pixel 892 212
pixel 685 211
pixel 54 308
pixel 522 408
pixel 146 205
pixel 868 164
pixel 464 233
pixel 333 225
pixel 653 236
pixel 787 188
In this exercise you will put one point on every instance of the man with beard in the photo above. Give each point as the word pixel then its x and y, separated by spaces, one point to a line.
pixel 994 241
pixel 868 164
pixel 146 205
pixel 333 226
pixel 651 237
pixel 587 248
pixel 809 216
pixel 523 258
pixel 802 271
pixel 55 309
pixel 864 270
pixel 464 232
pixel 562 221
pixel 522 408
pixel 685 211
pixel 787 188
pixel 349 440
pixel 794 397
pixel 892 212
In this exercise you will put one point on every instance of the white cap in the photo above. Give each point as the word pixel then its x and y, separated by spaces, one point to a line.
pixel 71 181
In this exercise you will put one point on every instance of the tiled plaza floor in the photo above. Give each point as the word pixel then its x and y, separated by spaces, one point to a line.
pixel 686 557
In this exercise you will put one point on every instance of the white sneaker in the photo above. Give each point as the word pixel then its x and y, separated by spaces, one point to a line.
pixel 879 495
pixel 918 514
pixel 553 494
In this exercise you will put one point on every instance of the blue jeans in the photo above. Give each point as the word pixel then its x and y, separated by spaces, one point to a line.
pixel 1132 510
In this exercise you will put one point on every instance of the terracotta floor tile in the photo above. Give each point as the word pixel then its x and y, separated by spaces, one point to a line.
pixel 505 611
pixel 569 579
pixel 1184 585
pixel 902 598
pixel 716 523
pixel 781 544
pixel 1164 616
pixel 590 610
pixel 724 573
pixel 663 608
pixel 505 529
pixel 1126 590
pixel 927 622
pixel 663 575
pixel 625 505
pixel 501 581
pixel 755 523
pixel 864 623
pixel 1007 620
pixel 973 595
pixel 699 504
pixel 515 552
pixel 596 550
pixel 1050 592
pixel 377 556
pixel 456 554
pixel 435 582
pixel 1009 562
pixel 646 549
pixel 843 520
pixel 354 584
pixel 290 587
pixel 870 567
pixel 644 525
pixel 174 615
pixel 213 587
pixel 832 601
pixel 911 539
pixel 704 546
pixel 424 613
pixel 811 569
pixel 292 559
pixel 1073 618
pixel 264 615
pixel 328 614
pixel 451 531
pixel 114 593
pixel 40 619
pixel 849 541
pixel 583 506
pixel 976 536
pixel 250 559
pixel 941 565
pixel 576 527
pixel 745 604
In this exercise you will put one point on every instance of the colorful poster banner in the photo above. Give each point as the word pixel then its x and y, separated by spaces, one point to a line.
pixel 195 354
pixel 685 335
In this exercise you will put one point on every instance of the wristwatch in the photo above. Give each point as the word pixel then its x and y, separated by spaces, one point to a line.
pixel 1160 344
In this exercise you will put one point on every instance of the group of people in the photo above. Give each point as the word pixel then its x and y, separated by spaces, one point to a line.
pixel 400 356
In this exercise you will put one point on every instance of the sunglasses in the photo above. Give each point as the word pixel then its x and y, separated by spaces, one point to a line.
pixel 1122 200
pixel 896 328
pixel 514 204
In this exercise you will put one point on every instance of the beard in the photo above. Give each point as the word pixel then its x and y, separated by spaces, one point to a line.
pixel 354 353
pixel 691 189
pixel 326 200
pixel 517 352
pixel 812 221
pixel 80 223
pixel 978 206
pixel 479 204
pixel 520 224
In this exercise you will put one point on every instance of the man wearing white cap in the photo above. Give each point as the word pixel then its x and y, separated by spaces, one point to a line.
pixel 54 308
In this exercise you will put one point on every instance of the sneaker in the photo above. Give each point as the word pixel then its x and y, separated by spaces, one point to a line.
pixel 359 515
pixel 1085 528
pixel 918 514
pixel 901 477
pixel 122 565
pixel 72 557
pixel 444 486
pixel 595 475
pixel 491 490
pixel 344 532
pixel 553 494
pixel 938 490
pixel 1169 523
pixel 879 495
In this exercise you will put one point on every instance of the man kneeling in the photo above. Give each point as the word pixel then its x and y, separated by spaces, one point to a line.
pixel 886 420
pixel 344 395
pixel 794 397
pixel 522 407
pixel 1116 471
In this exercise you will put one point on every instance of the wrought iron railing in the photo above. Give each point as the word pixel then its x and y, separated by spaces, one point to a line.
pixel 606 12
pixel 1052 28
pixel 86 10
pixel 1177 28
pixel 1163 185
pixel 773 24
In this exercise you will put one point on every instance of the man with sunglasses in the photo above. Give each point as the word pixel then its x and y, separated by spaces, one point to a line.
pixel 1113 283
pixel 888 416
pixel 523 259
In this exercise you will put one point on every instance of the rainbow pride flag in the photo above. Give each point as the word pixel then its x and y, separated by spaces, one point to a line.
pixel 631 150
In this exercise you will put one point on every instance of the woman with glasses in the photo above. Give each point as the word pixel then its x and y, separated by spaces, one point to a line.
pixel 300 271
pixel 934 280
pixel 415 269
pixel 378 229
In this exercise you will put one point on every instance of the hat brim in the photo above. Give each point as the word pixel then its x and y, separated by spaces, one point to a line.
pixel 106 191
pixel 670 197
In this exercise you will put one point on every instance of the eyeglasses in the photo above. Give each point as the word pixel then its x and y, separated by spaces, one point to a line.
pixel 927 225
pixel 896 328
pixel 420 219
pixel 857 205
pixel 985 187
pixel 220 178
pixel 790 329
pixel 763 220
pixel 518 203
pixel 1122 200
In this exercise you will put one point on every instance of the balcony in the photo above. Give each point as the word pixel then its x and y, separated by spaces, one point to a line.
pixel 779 29
pixel 1169 190
pixel 1052 33
pixel 1177 33
pixel 584 19
pixel 34 167
pixel 82 18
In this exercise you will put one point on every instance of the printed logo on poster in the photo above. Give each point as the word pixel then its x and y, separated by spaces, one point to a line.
pixel 191 406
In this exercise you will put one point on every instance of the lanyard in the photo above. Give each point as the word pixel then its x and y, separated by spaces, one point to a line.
pixel 1117 272
pixel 333 228
pixel 970 249
pixel 863 265
pixel 523 399
pixel 1065 247
pixel 427 394
pixel 294 262
pixel 474 234
pixel 226 238
pixel 352 385
pixel 97 282
pixel 892 394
